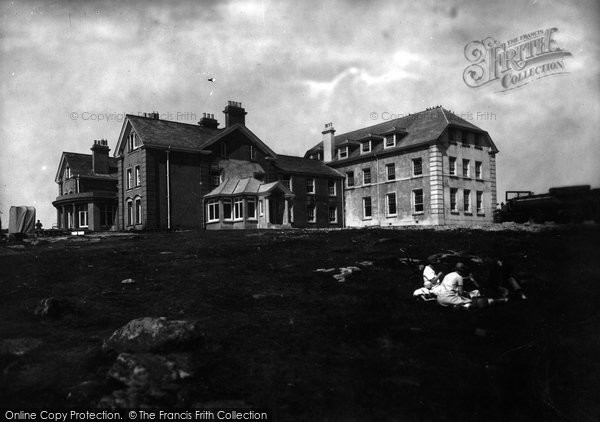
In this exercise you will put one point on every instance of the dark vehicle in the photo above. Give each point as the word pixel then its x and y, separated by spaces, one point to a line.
pixel 561 205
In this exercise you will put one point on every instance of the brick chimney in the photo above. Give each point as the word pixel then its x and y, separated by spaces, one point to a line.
pixel 100 156
pixel 328 142
pixel 209 121
pixel 234 113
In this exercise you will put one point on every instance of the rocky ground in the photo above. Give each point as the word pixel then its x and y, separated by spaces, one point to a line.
pixel 243 319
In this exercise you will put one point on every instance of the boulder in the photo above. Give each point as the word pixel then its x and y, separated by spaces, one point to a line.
pixel 151 375
pixel 153 334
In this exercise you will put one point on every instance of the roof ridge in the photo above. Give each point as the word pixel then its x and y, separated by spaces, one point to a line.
pixel 172 121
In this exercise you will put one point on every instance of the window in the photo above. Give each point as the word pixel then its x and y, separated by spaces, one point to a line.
pixel 333 214
pixel 129 212
pixel 138 211
pixel 287 182
pixel 106 215
pixel 452 166
pixel 417 164
pixel 137 176
pixel 478 173
pixel 310 213
pixel 213 210
pixel 451 135
pixel 365 147
pixel 350 179
pixel 133 141
pixel 261 211
pixel 367 209
pixel 238 209
pixel 465 168
pixel 83 218
pixel 223 149
pixel 390 141
pixel 479 202
pixel 453 207
pixel 215 178
pixel 464 137
pixel 478 140
pixel 226 209
pixel 310 185
pixel 390 204
pixel 251 208
pixel 252 152
pixel 68 174
pixel 331 186
pixel 391 171
pixel 366 176
pixel 467 200
pixel 343 153
pixel 129 179
pixel 417 197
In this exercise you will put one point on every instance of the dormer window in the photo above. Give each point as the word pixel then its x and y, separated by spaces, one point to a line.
pixel 133 141
pixel 343 153
pixel 68 174
pixel 390 141
pixel 365 147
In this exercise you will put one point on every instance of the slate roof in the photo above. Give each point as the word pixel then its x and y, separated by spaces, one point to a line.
pixel 81 164
pixel 246 186
pixel 166 133
pixel 420 128
pixel 291 164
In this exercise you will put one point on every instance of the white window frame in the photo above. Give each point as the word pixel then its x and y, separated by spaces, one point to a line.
pixel 467 206
pixel 212 210
pixel 215 178
pixel 310 185
pixel 454 195
pixel 251 216
pixel 414 201
pixel 364 172
pixel 345 153
pixel 369 147
pixel 390 175
pixel 261 209
pixel 68 173
pixel 452 166
pixel 364 204
pixel 129 178
pixel 229 203
pixel 238 209
pixel 138 181
pixel 414 166
pixel 385 142
pixel 311 209
pixel 286 181
pixel 478 170
pixel 84 214
pixel 468 172
pixel 133 141
pixel 479 202
pixel 387 204
pixel 332 187
pixel 138 210
pixel 335 219
pixel 252 152
pixel 130 212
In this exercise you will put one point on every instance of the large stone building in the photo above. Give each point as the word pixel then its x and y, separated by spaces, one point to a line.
pixel 87 190
pixel 431 167
pixel 177 175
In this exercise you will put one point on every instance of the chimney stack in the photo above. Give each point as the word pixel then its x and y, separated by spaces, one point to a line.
pixel 100 156
pixel 328 142
pixel 234 113
pixel 209 121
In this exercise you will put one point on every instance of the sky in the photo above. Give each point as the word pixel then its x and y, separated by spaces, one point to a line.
pixel 71 70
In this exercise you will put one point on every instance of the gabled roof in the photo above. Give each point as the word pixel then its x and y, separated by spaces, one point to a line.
pixel 419 128
pixel 291 164
pixel 247 132
pixel 81 165
pixel 159 133
pixel 246 186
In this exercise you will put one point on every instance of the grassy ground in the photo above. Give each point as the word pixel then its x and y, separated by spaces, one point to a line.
pixel 279 335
